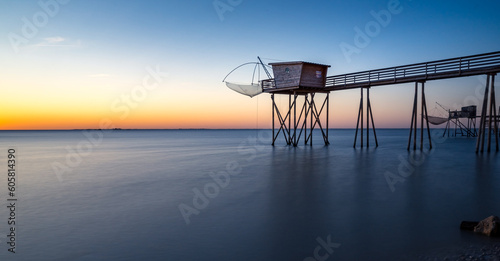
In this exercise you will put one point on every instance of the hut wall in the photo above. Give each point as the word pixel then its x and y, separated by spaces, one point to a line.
pixel 313 75
pixel 287 75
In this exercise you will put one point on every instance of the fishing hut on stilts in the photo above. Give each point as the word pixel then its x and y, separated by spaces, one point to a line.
pixel 299 79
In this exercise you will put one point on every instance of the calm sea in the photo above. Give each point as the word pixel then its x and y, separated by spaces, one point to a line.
pixel 229 195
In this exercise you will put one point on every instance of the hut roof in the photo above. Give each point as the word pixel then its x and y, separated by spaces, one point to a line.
pixel 298 62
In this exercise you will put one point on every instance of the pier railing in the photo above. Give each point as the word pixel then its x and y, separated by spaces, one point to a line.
pixel 441 69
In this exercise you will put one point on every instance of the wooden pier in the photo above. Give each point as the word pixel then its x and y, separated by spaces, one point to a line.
pixel 419 73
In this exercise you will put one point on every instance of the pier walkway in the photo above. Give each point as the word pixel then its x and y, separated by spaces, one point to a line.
pixel 480 64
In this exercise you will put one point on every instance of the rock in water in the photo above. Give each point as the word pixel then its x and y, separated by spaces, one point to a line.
pixel 489 226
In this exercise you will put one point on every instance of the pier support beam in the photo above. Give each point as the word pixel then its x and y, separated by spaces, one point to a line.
pixel 292 128
pixel 369 117
pixel 414 119
pixel 491 117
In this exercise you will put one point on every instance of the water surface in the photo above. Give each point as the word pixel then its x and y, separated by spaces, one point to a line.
pixel 119 197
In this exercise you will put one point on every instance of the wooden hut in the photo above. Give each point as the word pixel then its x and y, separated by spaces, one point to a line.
pixel 298 76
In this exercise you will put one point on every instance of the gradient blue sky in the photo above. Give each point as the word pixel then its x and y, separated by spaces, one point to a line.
pixel 91 52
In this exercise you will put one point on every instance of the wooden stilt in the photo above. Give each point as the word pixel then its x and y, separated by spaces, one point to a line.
pixel 480 139
pixel 305 118
pixel 318 120
pixel 272 98
pixel 422 120
pixel 292 132
pixel 302 123
pixel 289 119
pixel 416 114
pixel 367 117
pixel 294 119
pixel 282 121
pixel 361 111
pixel 360 121
pixel 311 111
pixel 494 110
pixel 373 123
pixel 327 117
pixel 413 118
pixel 357 122
pixel 426 116
pixel 490 120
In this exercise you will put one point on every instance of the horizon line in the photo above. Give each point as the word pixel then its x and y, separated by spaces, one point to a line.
pixel 125 129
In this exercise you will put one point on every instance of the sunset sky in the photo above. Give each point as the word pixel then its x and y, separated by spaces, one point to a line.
pixel 70 64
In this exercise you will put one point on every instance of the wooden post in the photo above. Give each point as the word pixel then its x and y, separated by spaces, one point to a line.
pixel 422 120
pixel 282 123
pixel 367 117
pixel 413 118
pixel 272 98
pixel 480 138
pixel 318 120
pixel 426 116
pixel 494 110
pixel 416 115
pixel 373 123
pixel 327 115
pixel 305 118
pixel 357 122
pixel 490 118
pixel 289 119
pixel 312 114
pixel 361 111
pixel 294 119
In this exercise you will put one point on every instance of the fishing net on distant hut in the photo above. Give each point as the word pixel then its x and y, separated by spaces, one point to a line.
pixel 436 120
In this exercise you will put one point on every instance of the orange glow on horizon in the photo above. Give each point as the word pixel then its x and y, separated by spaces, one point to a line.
pixel 165 120
pixel 174 109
